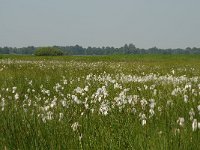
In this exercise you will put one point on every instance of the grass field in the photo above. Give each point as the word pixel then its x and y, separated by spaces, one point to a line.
pixel 100 102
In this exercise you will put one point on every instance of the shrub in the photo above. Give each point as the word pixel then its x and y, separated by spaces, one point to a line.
pixel 48 51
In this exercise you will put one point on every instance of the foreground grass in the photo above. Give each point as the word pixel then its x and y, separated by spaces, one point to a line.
pixel 99 102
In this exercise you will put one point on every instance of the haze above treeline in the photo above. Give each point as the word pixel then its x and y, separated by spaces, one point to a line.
pixel 79 50
pixel 96 23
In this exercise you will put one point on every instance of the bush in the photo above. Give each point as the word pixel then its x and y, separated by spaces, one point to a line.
pixel 48 51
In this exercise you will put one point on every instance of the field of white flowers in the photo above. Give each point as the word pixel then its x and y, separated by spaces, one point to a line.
pixel 99 104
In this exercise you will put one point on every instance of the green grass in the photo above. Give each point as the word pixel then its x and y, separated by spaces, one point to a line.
pixel 41 112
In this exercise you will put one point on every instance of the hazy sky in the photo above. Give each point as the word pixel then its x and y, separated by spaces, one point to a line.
pixel 145 23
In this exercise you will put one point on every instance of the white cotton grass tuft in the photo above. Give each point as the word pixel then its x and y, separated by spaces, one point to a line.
pixel 143 118
pixel 185 98
pixel 198 107
pixel 191 113
pixel 2 104
pixel 104 95
pixel 16 96
pixel 14 89
pixel 181 121
pixel 75 126
pixel 195 125
pixel 61 116
pixel 104 108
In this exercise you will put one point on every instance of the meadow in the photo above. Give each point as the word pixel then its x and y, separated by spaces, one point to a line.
pixel 100 102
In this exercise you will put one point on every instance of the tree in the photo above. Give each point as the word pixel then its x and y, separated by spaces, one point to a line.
pixel 131 49
pixel 48 51
pixel 4 50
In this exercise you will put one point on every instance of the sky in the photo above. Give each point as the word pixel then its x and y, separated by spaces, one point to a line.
pixel 145 23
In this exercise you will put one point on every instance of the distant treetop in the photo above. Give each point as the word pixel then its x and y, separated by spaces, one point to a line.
pixel 48 51
pixel 79 50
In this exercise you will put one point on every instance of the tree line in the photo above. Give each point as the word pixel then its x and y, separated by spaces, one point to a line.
pixel 79 50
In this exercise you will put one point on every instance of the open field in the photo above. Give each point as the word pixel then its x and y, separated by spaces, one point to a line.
pixel 100 102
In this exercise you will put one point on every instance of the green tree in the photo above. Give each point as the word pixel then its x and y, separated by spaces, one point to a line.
pixel 48 51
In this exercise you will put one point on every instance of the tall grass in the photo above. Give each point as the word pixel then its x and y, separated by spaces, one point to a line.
pixel 99 102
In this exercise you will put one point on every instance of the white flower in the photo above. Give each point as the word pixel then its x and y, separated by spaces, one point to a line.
pixel 177 131
pixel 169 103
pixel 2 104
pixel 46 108
pixel 152 103
pixel 49 115
pixel 116 85
pixel 151 111
pixel 104 108
pixel 185 98
pixel 78 90
pixel 92 110
pixel 26 96
pixel 86 106
pixel 191 113
pixel 145 87
pixel 53 103
pixel 80 137
pixel 194 125
pixel 16 96
pixel 181 121
pixel 144 122
pixel 30 82
pixel 43 118
pixel 188 86
pixel 86 88
pixel 159 109
pixel 61 116
pixel 64 104
pixel 75 99
pixel 198 107
pixel 28 90
pixel 64 82
pixel 134 110
pixel 75 126
pixel 143 118
pixel 14 89
pixel 154 92
pixel 143 103
pixel 47 92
